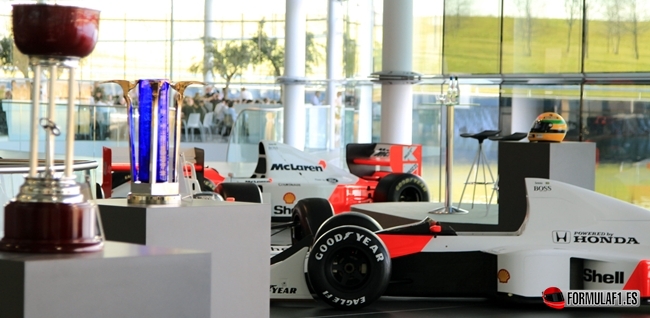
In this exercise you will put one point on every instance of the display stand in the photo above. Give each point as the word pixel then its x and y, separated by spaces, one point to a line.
pixel 122 280
pixel 237 234
pixel 449 101
pixel 448 208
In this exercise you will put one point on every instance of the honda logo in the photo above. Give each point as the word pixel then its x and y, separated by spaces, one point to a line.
pixel 561 237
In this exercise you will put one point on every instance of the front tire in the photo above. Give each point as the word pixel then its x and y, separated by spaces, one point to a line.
pixel 401 187
pixel 307 216
pixel 348 267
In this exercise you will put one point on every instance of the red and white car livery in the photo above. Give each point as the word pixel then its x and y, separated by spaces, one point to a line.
pixel 570 238
pixel 378 173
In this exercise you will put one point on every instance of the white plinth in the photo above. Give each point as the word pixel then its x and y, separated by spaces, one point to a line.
pixel 123 280
pixel 237 234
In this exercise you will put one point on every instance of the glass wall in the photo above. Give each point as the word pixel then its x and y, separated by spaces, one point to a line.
pixel 472 37
pixel 617 33
pixel 478 110
pixel 520 104
pixel 542 36
pixel 163 39
pixel 617 119
pixel 427 36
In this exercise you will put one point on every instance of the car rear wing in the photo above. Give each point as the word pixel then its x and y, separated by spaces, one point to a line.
pixel 365 160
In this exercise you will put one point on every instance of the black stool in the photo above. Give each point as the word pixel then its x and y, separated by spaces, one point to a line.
pixel 513 137
pixel 480 161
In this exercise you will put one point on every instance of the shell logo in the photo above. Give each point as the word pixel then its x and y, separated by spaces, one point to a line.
pixel 289 198
pixel 503 276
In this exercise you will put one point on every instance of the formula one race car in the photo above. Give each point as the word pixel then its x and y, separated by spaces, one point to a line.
pixel 569 238
pixel 284 175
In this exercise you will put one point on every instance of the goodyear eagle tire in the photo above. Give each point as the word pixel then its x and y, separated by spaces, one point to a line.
pixel 241 192
pixel 307 216
pixel 401 187
pixel 349 218
pixel 348 267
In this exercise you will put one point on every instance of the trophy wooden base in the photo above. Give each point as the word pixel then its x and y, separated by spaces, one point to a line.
pixel 46 227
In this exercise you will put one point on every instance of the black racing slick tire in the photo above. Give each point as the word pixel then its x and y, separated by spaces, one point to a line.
pixel 99 192
pixel 307 216
pixel 241 192
pixel 349 218
pixel 401 187
pixel 348 267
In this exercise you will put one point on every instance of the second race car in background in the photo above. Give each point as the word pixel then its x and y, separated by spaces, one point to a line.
pixel 283 174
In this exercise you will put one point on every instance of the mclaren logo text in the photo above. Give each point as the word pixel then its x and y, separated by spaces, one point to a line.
pixel 292 167
pixel 258 181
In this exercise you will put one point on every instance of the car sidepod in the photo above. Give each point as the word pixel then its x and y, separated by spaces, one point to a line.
pixel 528 272
pixel 445 274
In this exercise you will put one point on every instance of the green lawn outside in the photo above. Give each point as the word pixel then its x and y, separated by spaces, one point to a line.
pixel 472 46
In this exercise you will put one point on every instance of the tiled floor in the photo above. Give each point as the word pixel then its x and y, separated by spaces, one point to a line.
pixel 445 307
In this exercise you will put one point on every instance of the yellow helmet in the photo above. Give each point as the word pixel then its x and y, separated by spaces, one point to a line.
pixel 548 127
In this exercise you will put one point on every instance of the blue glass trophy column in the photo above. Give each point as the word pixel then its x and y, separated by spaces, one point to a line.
pixel 154 140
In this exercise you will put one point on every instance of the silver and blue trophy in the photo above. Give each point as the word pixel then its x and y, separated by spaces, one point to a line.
pixel 154 139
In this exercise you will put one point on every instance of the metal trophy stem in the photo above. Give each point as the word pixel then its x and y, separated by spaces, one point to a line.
pixel 70 132
pixel 33 142
pixel 449 159
pixel 49 124
pixel 178 102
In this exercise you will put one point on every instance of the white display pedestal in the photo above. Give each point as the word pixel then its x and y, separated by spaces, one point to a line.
pixel 122 280
pixel 237 234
